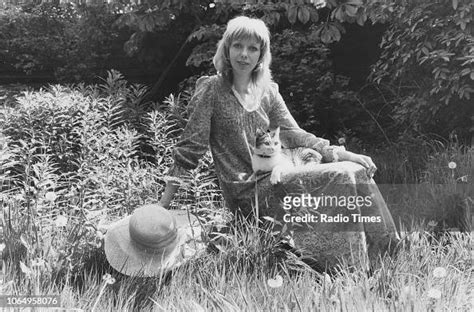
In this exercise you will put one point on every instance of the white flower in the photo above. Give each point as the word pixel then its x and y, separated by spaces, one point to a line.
pixel 341 141
pixel 275 282
pixel 50 196
pixel 434 293
pixel 452 165
pixel 440 272
pixel 61 221
pixel 432 223
pixel 108 279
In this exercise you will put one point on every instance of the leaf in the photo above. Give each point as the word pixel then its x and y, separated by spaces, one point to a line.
pixel 325 36
pixel 270 219
pixel 292 14
pixel 472 75
pixel 314 16
pixel 25 243
pixel 361 18
pixel 26 270
pixel 455 4
pixel 351 10
pixel 303 15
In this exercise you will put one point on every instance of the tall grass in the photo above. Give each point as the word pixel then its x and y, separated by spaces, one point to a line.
pixel 74 159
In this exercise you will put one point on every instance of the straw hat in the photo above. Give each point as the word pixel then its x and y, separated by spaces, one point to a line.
pixel 152 240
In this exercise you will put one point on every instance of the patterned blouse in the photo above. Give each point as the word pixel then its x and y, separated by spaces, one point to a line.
pixel 220 122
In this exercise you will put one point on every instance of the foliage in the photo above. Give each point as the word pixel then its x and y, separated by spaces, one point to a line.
pixel 427 55
pixel 53 217
pixel 70 164
pixel 317 98
pixel 68 42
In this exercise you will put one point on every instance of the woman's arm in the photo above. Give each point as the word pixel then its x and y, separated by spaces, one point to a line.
pixel 293 136
pixel 167 196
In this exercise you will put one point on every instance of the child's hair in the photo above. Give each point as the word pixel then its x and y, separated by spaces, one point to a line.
pixel 243 27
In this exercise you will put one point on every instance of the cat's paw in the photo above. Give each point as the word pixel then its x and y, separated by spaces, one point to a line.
pixel 276 175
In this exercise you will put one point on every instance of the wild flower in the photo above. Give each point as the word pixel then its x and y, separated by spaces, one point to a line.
pixel 61 221
pixel 50 196
pixel 434 293
pixel 341 141
pixel 439 272
pixel 452 165
pixel 432 223
pixel 108 279
pixel 275 282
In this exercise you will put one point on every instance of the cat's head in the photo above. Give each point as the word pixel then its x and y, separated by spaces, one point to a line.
pixel 267 142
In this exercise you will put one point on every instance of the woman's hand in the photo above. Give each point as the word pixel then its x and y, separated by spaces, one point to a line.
pixel 364 160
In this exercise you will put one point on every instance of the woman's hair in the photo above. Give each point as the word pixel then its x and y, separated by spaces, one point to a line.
pixel 243 27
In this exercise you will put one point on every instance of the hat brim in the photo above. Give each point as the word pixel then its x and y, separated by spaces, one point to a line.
pixel 128 258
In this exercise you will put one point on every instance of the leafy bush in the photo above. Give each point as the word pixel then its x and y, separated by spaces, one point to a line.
pixel 427 57
pixel 317 98
pixel 70 164
pixel 67 42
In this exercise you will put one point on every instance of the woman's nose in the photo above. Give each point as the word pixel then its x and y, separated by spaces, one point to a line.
pixel 244 52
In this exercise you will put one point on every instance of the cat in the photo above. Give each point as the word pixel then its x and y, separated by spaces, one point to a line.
pixel 268 155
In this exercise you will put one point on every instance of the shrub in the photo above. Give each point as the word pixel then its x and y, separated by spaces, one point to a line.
pixel 67 42
pixel 427 57
pixel 70 165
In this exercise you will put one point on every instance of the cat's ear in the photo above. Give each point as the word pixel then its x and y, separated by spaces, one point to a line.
pixel 259 132
pixel 276 132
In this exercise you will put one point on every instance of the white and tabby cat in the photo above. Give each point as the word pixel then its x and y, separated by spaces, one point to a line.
pixel 268 155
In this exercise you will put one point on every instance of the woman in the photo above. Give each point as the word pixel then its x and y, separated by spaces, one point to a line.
pixel 229 107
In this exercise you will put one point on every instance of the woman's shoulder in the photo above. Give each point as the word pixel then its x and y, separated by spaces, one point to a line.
pixel 271 92
pixel 208 81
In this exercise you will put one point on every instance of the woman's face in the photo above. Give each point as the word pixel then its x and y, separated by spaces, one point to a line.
pixel 244 55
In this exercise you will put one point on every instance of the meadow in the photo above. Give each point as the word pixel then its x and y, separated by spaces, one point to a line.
pixel 75 158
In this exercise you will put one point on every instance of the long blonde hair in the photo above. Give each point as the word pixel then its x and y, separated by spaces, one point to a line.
pixel 243 27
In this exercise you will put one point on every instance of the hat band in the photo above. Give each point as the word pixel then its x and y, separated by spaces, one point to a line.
pixel 161 244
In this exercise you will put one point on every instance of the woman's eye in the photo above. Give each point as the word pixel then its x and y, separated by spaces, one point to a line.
pixel 237 45
pixel 254 49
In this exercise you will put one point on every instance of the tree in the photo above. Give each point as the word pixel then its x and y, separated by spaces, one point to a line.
pixel 323 19
pixel 428 56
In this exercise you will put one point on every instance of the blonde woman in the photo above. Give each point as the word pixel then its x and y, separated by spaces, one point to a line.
pixel 229 107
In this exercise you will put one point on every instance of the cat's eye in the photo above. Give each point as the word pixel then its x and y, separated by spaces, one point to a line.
pixel 276 143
